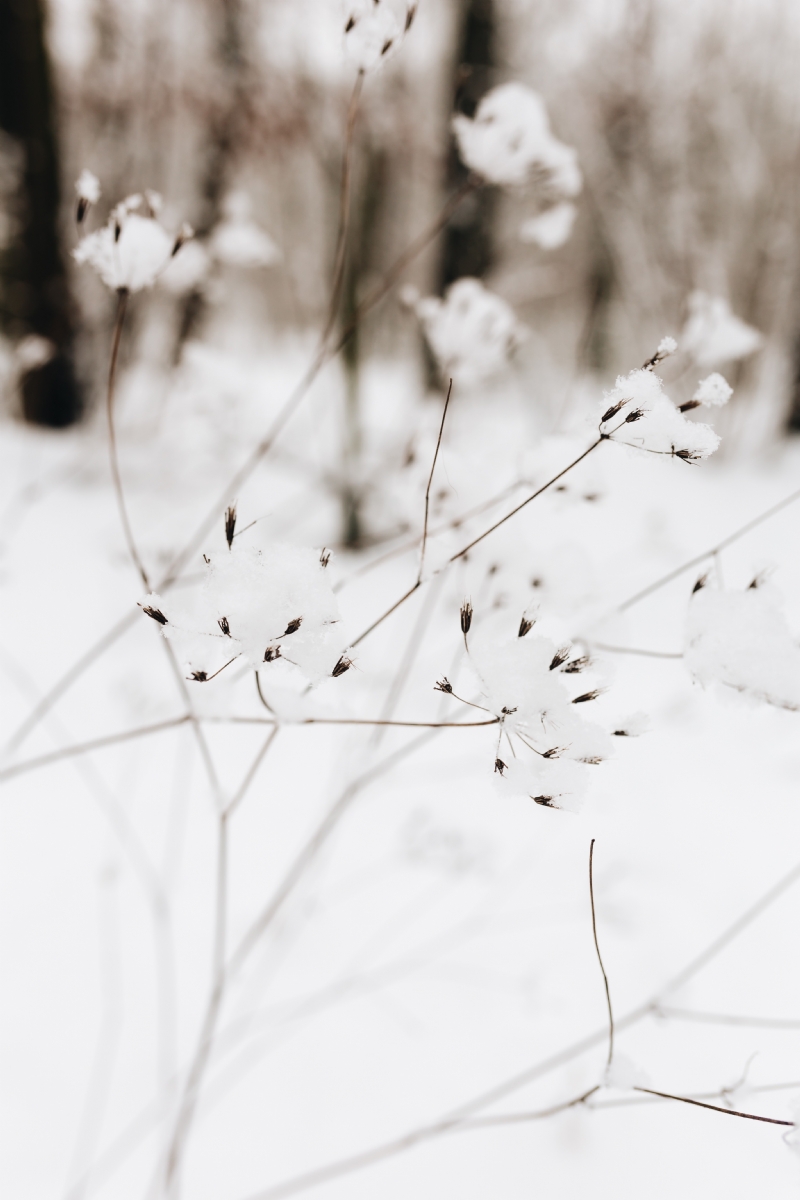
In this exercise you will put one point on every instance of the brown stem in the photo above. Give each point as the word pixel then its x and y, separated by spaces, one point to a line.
pixel 731 1112
pixel 344 210
pixel 119 320
pixel 430 481
pixel 600 959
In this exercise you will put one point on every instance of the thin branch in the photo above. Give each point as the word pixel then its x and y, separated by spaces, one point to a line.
pixel 355 721
pixel 600 958
pixel 430 481
pixel 731 1112
pixel 388 613
pixel 520 1118
pixel 519 507
pixel 701 558
pixel 632 650
pixel 708 1018
pixel 133 550
pixel 112 739
pixel 250 776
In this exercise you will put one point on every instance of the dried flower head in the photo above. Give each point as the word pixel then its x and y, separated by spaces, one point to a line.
pixel 131 251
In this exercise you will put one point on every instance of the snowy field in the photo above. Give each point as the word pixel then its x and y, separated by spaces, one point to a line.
pixel 436 947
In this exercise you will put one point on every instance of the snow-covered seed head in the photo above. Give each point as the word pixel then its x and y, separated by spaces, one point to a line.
pixel 272 654
pixel 611 412
pixel 466 617
pixel 133 249
pixel 509 141
pixel 666 347
pixel 293 626
pixel 230 524
pixel 545 801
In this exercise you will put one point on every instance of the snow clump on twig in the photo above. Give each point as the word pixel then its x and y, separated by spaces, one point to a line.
pixel 265 605
pixel 551 228
pixel 509 141
pixel 714 334
pixel 539 695
pixel 132 250
pixel 471 331
pixel 374 30
pixel 238 241
pixel 638 413
pixel 742 641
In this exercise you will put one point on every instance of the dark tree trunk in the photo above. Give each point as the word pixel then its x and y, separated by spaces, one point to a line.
pixel 468 246
pixel 34 292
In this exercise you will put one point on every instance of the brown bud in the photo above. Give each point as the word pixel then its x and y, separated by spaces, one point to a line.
pixel 559 657
pixel 587 696
pixel 525 626
pixel 443 685
pixel 155 613
pixel 466 617
pixel 272 653
pixel 499 766
pixel 292 627
pixel 224 626
pixel 344 664
pixel 230 524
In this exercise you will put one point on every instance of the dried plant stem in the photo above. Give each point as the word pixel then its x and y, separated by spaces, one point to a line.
pixel 632 650
pixel 528 500
pixel 133 550
pixel 707 1018
pixel 430 481
pixel 710 553
pixel 188 1103
pixel 730 1112
pixel 600 957
pixel 191 1091
pixel 112 739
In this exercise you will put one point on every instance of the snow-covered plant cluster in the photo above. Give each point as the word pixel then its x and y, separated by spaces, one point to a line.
pixel 508 701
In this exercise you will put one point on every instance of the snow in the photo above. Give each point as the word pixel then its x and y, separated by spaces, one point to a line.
pixel 509 141
pixel 714 391
pixel 87 187
pixel 471 331
pixel 132 250
pixel 637 412
pixel 441 943
pixel 374 31
pixel 238 241
pixel 714 334
pixel 742 641
pixel 551 228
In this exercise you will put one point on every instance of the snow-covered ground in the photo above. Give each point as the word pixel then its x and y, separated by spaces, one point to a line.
pixel 439 943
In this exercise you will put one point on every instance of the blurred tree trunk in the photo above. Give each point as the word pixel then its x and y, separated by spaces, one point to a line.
pixel 34 291
pixel 222 146
pixel 468 248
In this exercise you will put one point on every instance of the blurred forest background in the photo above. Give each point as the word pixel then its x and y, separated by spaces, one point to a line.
pixel 685 117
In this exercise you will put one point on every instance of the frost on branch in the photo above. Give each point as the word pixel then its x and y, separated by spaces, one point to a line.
pixel 509 142
pixel 713 334
pixel 742 640
pixel 638 413
pixel 131 251
pixel 375 29
pixel 551 228
pixel 265 604
pixel 541 704
pixel 471 332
